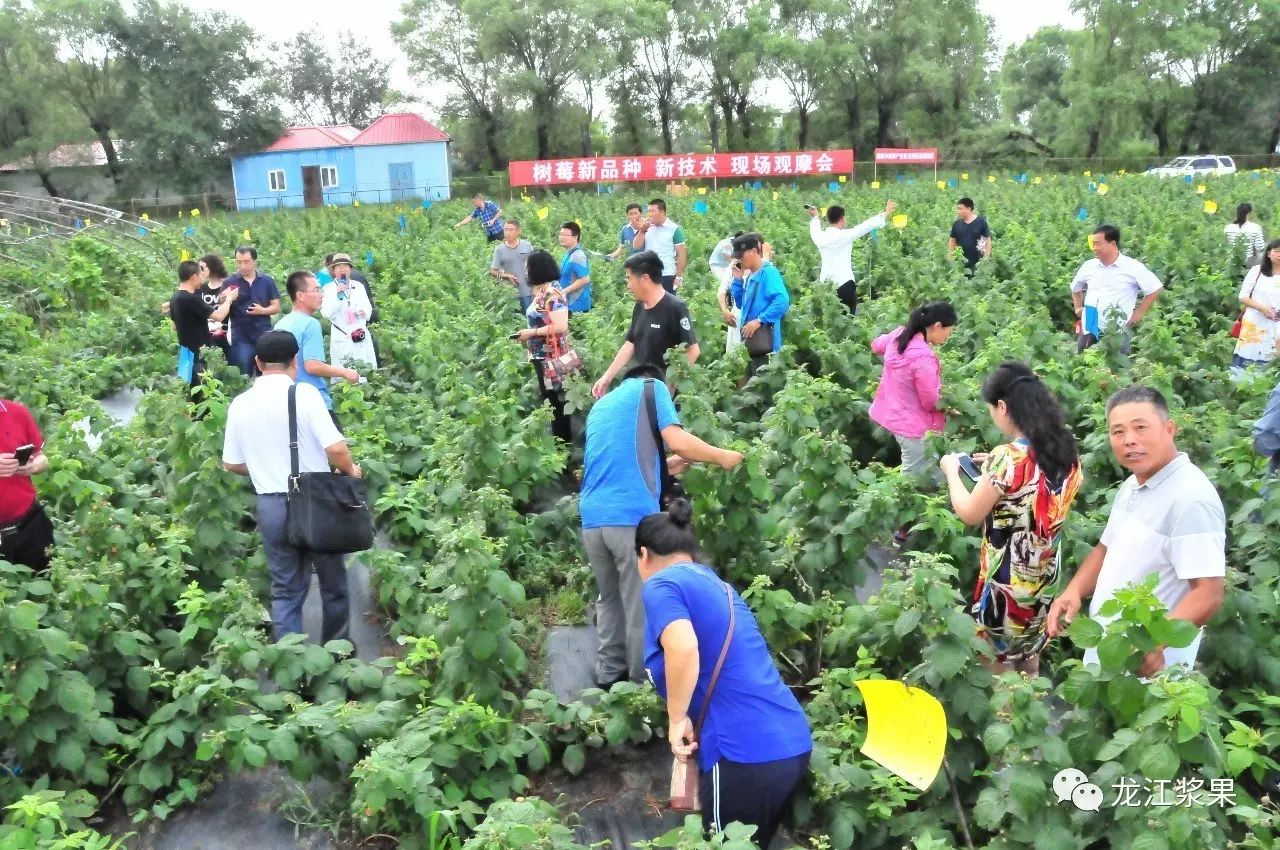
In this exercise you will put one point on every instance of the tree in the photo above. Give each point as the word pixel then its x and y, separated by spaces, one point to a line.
pixel 443 45
pixel 649 35
pixel 720 35
pixel 325 86
pixel 796 53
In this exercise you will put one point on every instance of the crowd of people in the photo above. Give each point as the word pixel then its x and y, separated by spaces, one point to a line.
pixel 663 614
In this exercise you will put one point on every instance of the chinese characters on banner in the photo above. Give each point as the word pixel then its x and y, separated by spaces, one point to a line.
pixel 906 156
pixel 721 166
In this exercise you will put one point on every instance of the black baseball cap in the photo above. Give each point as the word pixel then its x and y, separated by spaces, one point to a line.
pixel 277 348
pixel 746 242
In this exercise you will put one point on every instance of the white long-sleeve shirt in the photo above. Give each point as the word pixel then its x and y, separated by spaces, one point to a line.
pixel 835 245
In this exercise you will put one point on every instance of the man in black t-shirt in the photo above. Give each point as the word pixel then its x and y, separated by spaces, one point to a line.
pixel 191 315
pixel 970 233
pixel 659 322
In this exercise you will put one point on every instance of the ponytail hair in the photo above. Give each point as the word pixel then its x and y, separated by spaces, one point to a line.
pixel 1242 213
pixel 1038 416
pixel 924 317
pixel 669 531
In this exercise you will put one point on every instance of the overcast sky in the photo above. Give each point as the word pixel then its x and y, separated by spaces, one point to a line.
pixel 279 20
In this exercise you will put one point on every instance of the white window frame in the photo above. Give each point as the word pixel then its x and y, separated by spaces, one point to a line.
pixel 326 170
pixel 272 180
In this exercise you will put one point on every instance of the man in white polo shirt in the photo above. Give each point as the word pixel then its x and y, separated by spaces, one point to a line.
pixel 1167 519
pixel 257 445
pixel 665 238
pixel 1110 284
pixel 835 246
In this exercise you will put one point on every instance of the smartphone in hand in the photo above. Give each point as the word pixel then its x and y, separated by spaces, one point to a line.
pixel 23 454
pixel 969 468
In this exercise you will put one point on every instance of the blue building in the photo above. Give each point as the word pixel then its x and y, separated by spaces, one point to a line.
pixel 398 157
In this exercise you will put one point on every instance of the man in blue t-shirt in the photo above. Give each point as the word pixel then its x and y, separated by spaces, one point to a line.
pixel 627 235
pixel 257 300
pixel 621 485
pixel 305 293
pixel 575 269
pixel 488 214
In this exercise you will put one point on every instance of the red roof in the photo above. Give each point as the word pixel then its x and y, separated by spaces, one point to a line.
pixel 309 138
pixel 399 128
pixel 395 128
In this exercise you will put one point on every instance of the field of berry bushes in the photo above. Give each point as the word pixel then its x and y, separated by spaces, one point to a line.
pixel 139 669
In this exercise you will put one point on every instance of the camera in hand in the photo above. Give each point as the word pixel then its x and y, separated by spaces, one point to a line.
pixel 358 335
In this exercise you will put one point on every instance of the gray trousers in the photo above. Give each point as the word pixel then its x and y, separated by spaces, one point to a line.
pixel 611 551
pixel 290 569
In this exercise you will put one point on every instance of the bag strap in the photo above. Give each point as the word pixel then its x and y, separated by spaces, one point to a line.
pixel 552 341
pixel 715 673
pixel 1257 277
pixel 293 436
pixel 666 482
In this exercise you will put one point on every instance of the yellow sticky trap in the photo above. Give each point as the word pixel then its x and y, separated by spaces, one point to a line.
pixel 146 217
pixel 1200 189
pixel 1037 180
pixel 88 222
pixel 1103 188
pixel 578 222
pixel 179 213
pixel 822 211
pixel 1210 207
pixel 525 198
pixel 775 196
pixel 195 213
pixel 245 234
pixel 702 190
pixel 991 178
pixel 1088 240
pixel 184 256
pixel 1123 172
pixel 843 178
pixel 964 175
pixel 875 184
pixel 543 212
pixel 1088 174
pixel 899 221
pixel 906 730
pixel 942 184
pixel 355 203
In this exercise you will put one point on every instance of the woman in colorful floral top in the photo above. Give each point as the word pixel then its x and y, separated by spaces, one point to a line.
pixel 1022 498
pixel 548 318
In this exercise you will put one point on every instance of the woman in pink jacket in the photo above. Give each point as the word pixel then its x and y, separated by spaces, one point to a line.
pixel 906 403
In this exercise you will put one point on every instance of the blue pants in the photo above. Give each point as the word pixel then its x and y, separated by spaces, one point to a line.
pixel 291 577
pixel 242 354
pixel 525 301
pixel 756 794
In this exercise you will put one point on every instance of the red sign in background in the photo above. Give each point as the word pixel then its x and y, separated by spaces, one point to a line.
pixel 906 156
pixel 702 166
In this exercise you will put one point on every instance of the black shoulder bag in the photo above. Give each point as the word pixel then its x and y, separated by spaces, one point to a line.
pixel 670 488
pixel 327 512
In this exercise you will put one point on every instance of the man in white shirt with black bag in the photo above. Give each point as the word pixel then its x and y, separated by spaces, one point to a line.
pixel 1107 287
pixel 257 445
pixel 835 245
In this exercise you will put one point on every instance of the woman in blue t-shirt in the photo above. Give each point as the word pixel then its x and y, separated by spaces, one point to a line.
pixel 754 744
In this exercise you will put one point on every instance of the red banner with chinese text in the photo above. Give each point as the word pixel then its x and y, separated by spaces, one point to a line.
pixel 721 166
pixel 906 156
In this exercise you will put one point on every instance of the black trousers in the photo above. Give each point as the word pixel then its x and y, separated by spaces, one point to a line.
pixel 28 539
pixel 669 283
pixel 560 425
pixel 848 293
pixel 756 794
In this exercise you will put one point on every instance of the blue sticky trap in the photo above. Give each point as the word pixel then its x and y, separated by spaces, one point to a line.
pixel 1093 187
pixel 757 185
pixel 953 182
pixel 1186 179
pixel 795 185
pixel 1083 214
pixel 1022 178
pixel 911 181
pixel 404 225
pixel 833 186
pixel 899 177
pixel 142 231
pixel 368 259
pixel 700 207
pixel 188 231
pixel 749 206
pixel 79 223
pixel 426 203
pixel 1253 175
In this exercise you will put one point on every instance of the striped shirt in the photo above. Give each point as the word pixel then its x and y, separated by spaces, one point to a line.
pixel 1249 234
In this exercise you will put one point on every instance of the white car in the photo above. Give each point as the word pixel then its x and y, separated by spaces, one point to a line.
pixel 1204 163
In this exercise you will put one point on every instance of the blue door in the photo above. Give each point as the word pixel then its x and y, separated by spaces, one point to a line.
pixel 401 174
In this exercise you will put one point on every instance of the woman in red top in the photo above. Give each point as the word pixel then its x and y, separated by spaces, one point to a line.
pixel 26 534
